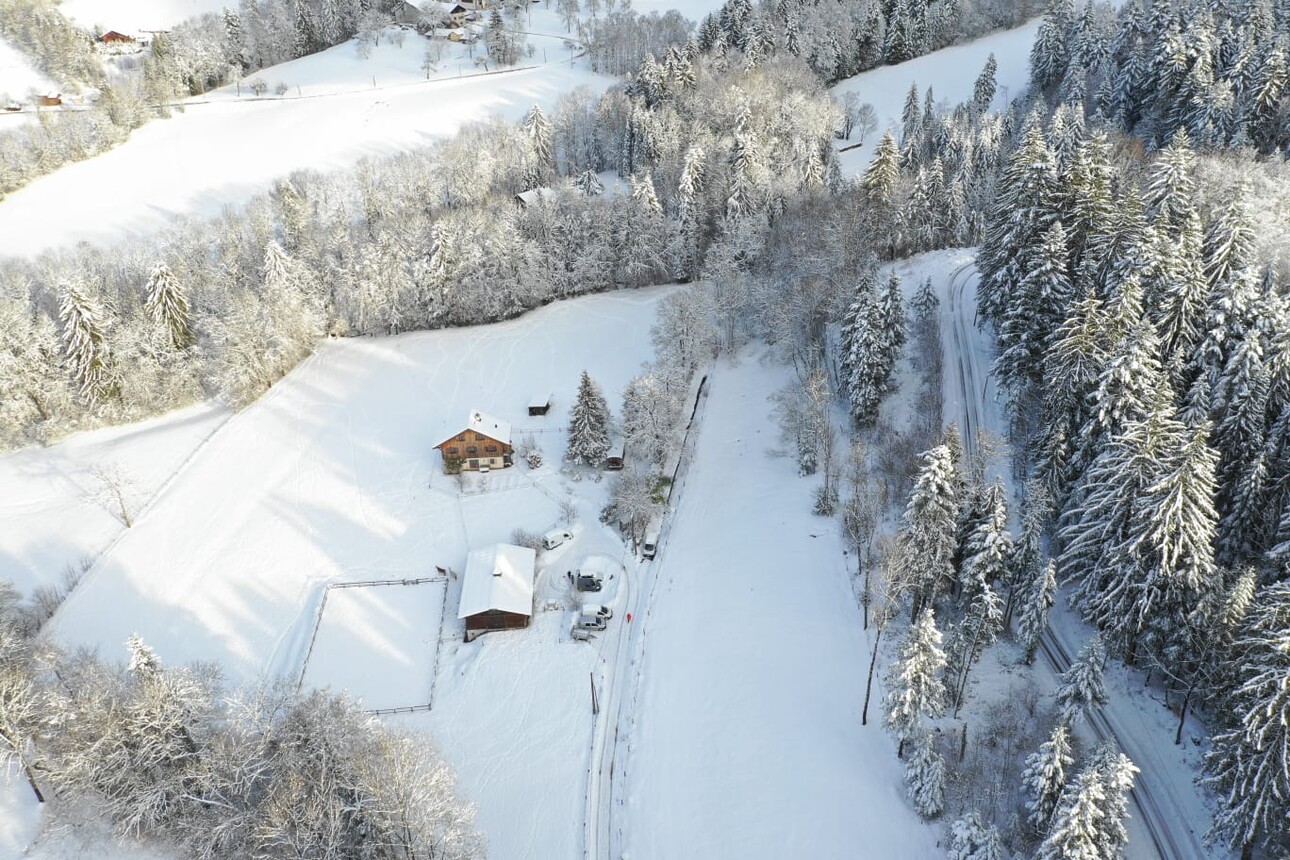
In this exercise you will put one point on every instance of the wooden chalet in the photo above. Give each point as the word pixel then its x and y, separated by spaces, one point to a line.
pixel 535 196
pixel 50 100
pixel 440 13
pixel 484 443
pixel 112 37
pixel 497 589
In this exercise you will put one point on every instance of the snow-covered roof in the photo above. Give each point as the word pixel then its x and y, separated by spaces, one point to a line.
pixel 428 6
pixel 480 422
pixel 617 447
pixel 498 577
pixel 539 400
pixel 528 198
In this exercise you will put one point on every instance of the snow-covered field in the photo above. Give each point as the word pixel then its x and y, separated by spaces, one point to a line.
pixel 135 16
pixel 951 73
pixel 379 642
pixel 747 741
pixel 18 77
pixel 223 152
pixel 59 507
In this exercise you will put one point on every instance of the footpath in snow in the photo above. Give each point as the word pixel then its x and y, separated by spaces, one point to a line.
pixel 747 739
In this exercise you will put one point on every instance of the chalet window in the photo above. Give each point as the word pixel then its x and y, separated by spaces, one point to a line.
pixel 492 449
pixel 451 452
pixel 479 437
pixel 472 449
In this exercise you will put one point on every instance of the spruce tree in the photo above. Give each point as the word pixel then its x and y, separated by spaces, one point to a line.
pixel 929 526
pixel 1038 599
pixel 984 90
pixel 167 305
pixel 1045 777
pixel 1081 685
pixel 915 692
pixel 972 839
pixel 1248 764
pixel 925 777
pixel 588 425
pixel 540 162
pixel 85 345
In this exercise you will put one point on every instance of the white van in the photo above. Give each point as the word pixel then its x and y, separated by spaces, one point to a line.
pixel 649 546
pixel 553 539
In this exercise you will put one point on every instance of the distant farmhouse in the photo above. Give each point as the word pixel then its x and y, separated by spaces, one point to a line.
pixel 442 14
pixel 112 37
pixel 497 589
pixel 485 443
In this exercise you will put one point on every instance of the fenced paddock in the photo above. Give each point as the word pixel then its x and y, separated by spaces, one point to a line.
pixel 379 641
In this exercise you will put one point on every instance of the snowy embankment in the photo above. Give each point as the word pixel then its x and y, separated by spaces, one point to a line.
pixel 18 77
pixel 950 72
pixel 223 151
pixel 60 508
pixel 747 739
pixel 1178 811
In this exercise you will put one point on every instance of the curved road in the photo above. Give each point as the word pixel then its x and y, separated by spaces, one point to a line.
pixel 969 395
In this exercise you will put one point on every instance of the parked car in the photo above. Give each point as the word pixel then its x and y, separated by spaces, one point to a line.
pixel 587 580
pixel 594 617
pixel 649 546
pixel 553 539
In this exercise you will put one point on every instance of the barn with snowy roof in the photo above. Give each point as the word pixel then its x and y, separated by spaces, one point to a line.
pixel 484 444
pixel 497 589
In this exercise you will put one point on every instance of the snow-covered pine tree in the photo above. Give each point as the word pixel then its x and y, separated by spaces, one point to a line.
pixel 742 196
pixel 981 624
pixel 929 526
pixel 972 839
pixel 588 425
pixel 1248 764
pixel 925 776
pixel 1039 304
pixel 883 173
pixel 1089 823
pixel 589 183
pixel 891 311
pixel 911 119
pixel 986 85
pixel 167 305
pixel 85 345
pixel 1045 777
pixel 915 692
pixel 540 162
pixel 1081 685
pixel 1037 599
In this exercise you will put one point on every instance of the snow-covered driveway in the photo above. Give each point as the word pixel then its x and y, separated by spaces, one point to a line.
pixel 747 739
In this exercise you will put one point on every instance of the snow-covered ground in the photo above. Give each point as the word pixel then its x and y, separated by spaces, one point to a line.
pixel 18 77
pixel 747 739
pixel 331 476
pixel 951 73
pixel 222 152
pixel 136 16
pixel 59 508
pixel 379 642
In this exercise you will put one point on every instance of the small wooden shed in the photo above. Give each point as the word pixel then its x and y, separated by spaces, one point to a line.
pixel 50 100
pixel 497 589
pixel 540 404
pixel 615 456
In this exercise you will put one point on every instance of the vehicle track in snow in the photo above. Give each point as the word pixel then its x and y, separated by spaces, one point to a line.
pixel 971 387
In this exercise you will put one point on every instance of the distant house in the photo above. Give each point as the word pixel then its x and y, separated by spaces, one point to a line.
pixel 497 589
pixel 540 404
pixel 441 14
pixel 113 37
pixel 525 199
pixel 50 100
pixel 484 443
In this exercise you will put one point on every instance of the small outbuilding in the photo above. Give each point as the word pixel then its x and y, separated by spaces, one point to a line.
pixel 50 100
pixel 534 196
pixel 484 444
pixel 540 404
pixel 614 457
pixel 497 589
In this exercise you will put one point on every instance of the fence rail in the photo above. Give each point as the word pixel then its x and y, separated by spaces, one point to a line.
pixel 361 583
pixel 406 709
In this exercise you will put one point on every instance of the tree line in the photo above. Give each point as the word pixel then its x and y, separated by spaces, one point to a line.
pixel 168 755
